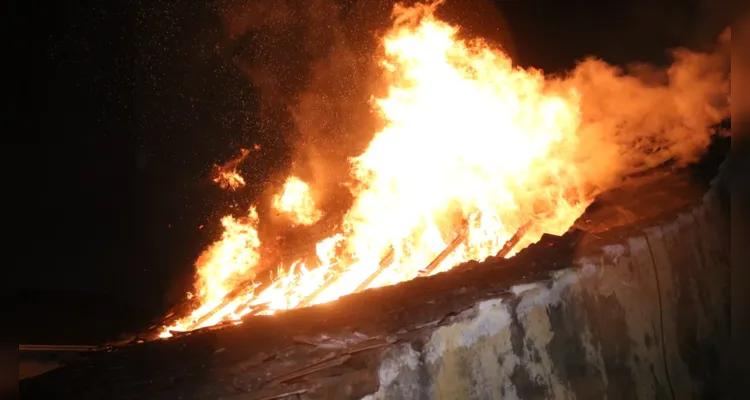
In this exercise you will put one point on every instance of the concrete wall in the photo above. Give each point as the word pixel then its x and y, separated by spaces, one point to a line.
pixel 646 318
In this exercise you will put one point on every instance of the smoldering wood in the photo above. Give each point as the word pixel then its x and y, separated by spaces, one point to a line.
pixel 243 288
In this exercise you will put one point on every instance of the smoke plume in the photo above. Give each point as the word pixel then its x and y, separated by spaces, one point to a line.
pixel 639 117
pixel 316 66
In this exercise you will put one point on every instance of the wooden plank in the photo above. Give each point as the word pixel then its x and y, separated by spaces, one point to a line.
pixel 445 253
pixel 514 240
pixel 385 262
pixel 332 360
pixel 309 299
pixel 56 348
pixel 242 289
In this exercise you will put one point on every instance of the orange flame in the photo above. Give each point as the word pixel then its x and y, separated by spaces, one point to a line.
pixel 229 180
pixel 226 176
pixel 222 266
pixel 296 203
pixel 473 149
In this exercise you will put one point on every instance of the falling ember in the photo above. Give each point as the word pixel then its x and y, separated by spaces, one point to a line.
pixel 226 176
pixel 296 203
pixel 477 158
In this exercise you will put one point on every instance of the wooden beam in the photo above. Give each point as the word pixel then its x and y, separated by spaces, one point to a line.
pixel 56 348
pixel 385 262
pixel 242 289
pixel 309 299
pixel 514 240
pixel 452 246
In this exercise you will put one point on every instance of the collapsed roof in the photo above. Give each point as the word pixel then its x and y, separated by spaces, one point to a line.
pixel 342 349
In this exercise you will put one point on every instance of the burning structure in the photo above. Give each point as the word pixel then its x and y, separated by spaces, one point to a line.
pixel 416 290
pixel 445 182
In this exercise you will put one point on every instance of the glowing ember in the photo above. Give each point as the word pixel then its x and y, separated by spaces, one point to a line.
pixel 296 203
pixel 226 176
pixel 473 150
pixel 229 180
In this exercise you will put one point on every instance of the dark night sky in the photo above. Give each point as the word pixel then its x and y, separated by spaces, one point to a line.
pixel 132 108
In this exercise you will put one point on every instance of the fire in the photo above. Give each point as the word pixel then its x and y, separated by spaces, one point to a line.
pixel 224 265
pixel 473 150
pixel 487 162
pixel 296 203
pixel 226 176
pixel 229 180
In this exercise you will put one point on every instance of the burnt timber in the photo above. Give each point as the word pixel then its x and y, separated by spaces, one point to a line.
pixel 631 303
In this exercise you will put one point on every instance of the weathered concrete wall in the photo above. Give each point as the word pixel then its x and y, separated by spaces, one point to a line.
pixel 646 318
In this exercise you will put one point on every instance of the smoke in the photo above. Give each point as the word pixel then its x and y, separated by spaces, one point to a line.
pixel 741 66
pixel 640 117
pixel 317 65
pixel 313 63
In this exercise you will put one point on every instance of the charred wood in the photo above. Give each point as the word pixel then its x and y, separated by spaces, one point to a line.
pixel 514 240
pixel 384 263
pixel 444 254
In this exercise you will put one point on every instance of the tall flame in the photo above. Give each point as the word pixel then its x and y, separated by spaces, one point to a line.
pixel 473 150
pixel 224 264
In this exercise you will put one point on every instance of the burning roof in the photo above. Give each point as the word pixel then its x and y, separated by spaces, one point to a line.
pixel 481 177
pixel 336 350
pixel 475 158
